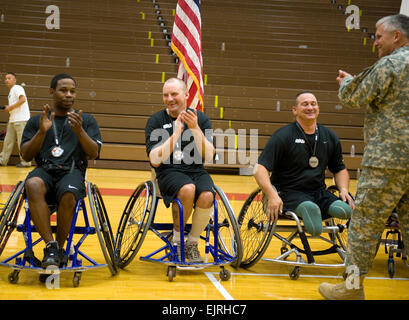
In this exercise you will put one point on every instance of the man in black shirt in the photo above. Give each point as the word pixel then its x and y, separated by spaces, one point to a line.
pixel 61 142
pixel 178 141
pixel 297 156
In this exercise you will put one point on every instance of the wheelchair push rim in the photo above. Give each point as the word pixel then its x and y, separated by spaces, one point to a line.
pixel 10 213
pixel 102 227
pixel 135 222
pixel 255 229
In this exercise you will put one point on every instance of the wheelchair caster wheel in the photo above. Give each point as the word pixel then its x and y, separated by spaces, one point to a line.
pixel 224 274
pixel 295 274
pixel 391 268
pixel 13 276
pixel 171 273
pixel 77 279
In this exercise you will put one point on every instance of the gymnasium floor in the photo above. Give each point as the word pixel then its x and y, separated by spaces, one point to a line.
pixel 148 281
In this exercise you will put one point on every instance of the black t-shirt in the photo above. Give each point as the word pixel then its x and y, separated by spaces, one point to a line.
pixel 286 155
pixel 160 127
pixel 68 141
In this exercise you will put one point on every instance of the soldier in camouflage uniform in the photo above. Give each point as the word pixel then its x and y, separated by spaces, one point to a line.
pixel 384 183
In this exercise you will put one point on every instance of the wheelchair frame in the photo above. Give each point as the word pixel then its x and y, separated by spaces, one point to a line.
pixel 128 243
pixel 393 245
pixel 253 222
pixel 26 260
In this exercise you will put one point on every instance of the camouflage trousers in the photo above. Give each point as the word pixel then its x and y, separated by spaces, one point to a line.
pixel 379 192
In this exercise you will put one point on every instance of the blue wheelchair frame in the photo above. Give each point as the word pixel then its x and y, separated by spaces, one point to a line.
pixel 168 255
pixel 72 262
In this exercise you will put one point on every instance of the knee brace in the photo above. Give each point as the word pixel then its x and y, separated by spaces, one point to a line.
pixel 311 216
pixel 340 209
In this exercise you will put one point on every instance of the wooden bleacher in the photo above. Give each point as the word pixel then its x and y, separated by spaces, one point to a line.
pixel 273 49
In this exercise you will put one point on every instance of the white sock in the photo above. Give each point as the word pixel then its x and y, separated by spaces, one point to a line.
pixel 176 236
pixel 200 219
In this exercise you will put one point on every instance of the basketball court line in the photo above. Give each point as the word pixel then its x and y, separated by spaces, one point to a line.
pixel 219 287
pixel 227 296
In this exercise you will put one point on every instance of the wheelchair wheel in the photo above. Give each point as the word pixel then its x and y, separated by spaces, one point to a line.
pixel 102 226
pixel 228 229
pixel 9 214
pixel 135 222
pixel 255 229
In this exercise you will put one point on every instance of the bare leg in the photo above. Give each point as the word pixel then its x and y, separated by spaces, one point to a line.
pixel 65 214
pixel 40 214
pixel 186 196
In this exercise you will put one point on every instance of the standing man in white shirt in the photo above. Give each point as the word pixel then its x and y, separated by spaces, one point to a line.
pixel 19 115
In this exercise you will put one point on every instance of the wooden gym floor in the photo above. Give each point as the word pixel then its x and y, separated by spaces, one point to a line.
pixel 148 281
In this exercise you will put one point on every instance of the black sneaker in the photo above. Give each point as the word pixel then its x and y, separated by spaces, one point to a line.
pixel 52 255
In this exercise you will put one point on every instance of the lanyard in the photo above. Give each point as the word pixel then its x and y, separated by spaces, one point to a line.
pixel 58 139
pixel 306 140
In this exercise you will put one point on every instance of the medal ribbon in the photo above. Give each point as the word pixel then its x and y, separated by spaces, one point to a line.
pixel 58 139
pixel 306 140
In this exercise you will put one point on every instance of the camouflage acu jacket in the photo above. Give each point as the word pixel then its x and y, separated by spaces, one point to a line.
pixel 383 89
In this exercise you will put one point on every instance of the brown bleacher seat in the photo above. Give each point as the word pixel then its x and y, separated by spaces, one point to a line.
pixel 273 49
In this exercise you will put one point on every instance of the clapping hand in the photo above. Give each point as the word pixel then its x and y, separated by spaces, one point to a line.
pixel 75 121
pixel 45 122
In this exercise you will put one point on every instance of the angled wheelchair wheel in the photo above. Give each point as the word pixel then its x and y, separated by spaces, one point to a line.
pixel 10 212
pixel 228 229
pixel 135 222
pixel 102 226
pixel 255 229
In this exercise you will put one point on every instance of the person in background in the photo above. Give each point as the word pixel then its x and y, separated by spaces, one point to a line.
pixel 19 113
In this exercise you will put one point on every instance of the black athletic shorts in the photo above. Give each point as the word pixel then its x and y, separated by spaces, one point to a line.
pixel 59 181
pixel 322 198
pixel 171 181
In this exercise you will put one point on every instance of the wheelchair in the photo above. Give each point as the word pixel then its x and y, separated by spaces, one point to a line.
pixel 222 241
pixel 74 260
pixel 393 243
pixel 256 233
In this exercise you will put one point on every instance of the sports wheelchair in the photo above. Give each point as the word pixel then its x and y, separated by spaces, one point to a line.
pixel 393 243
pixel 256 233
pixel 72 260
pixel 222 240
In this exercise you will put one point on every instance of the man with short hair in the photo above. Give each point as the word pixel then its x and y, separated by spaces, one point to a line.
pixel 19 113
pixel 177 147
pixel 383 184
pixel 291 169
pixel 61 141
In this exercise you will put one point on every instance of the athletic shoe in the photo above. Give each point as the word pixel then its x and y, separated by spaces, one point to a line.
pixel 192 252
pixel 52 255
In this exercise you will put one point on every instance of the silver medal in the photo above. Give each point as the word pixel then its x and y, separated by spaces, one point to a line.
pixel 313 162
pixel 178 155
pixel 57 151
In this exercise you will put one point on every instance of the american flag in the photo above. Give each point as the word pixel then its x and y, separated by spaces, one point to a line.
pixel 187 44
